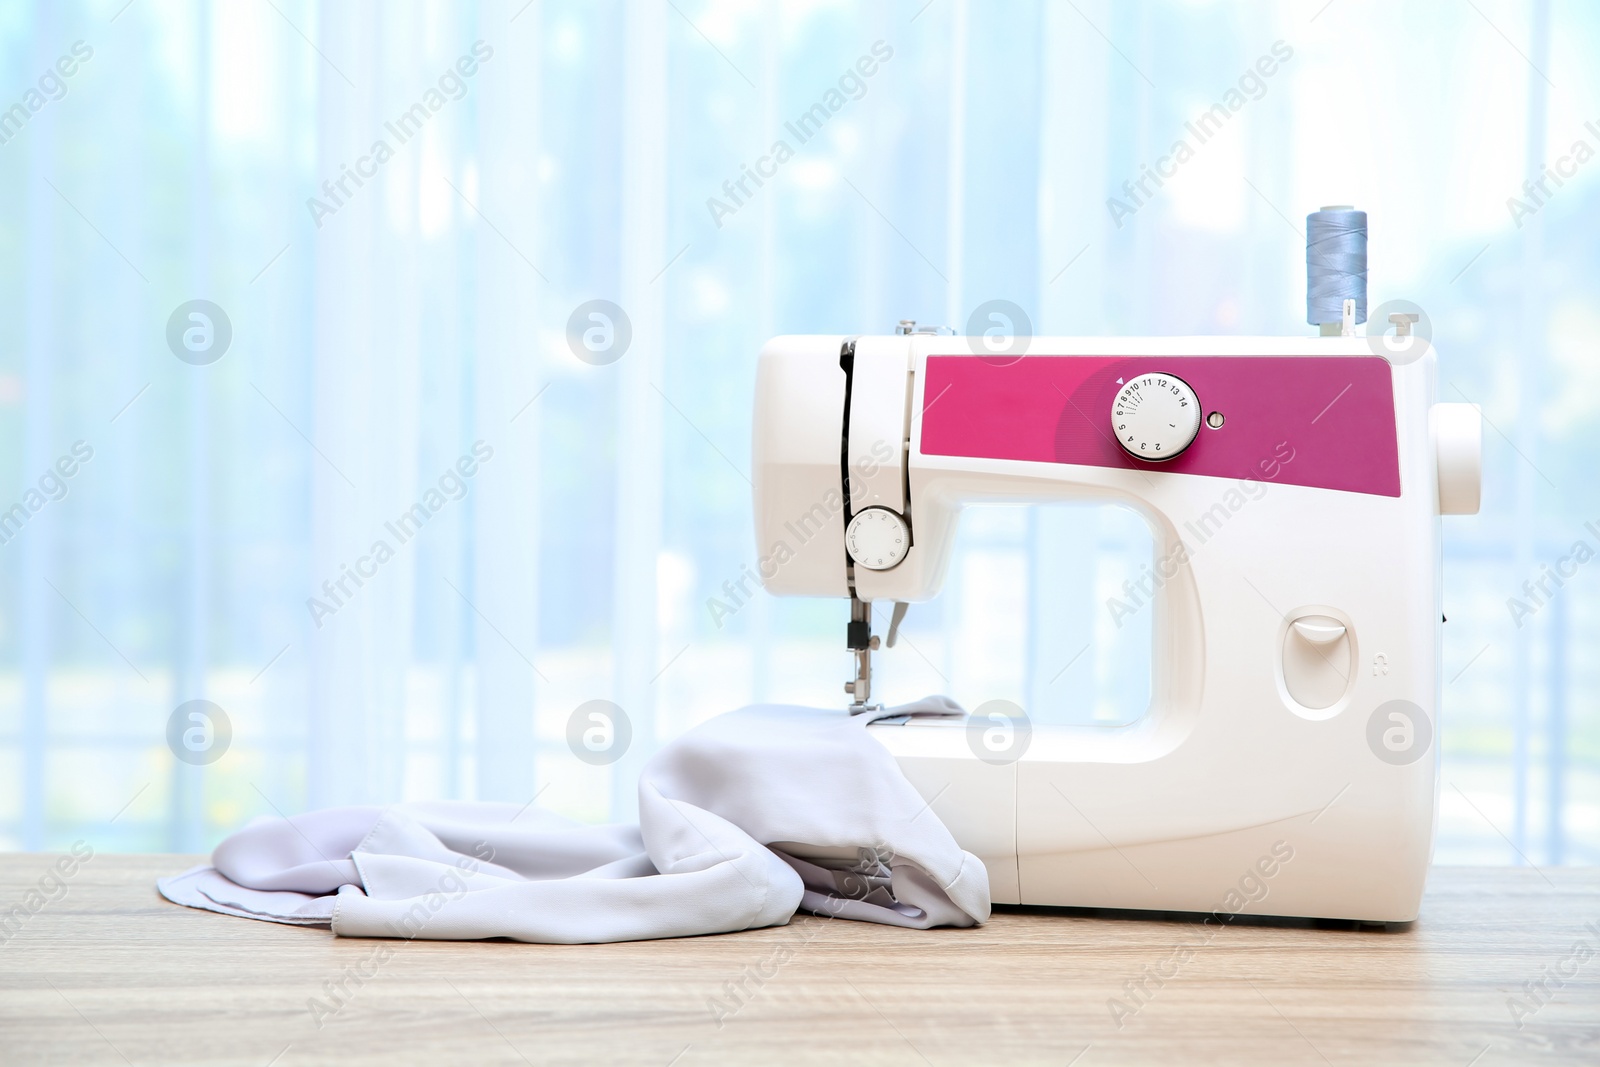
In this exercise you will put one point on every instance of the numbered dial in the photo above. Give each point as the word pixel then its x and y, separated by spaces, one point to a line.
pixel 1155 416
pixel 877 539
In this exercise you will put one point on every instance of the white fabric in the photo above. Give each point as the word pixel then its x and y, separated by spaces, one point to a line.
pixel 743 821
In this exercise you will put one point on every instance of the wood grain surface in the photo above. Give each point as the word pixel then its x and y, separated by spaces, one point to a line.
pixel 109 973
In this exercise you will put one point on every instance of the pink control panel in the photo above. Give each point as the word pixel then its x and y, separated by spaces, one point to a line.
pixel 1321 421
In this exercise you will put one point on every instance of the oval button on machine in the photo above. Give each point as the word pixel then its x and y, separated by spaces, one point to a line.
pixel 1318 661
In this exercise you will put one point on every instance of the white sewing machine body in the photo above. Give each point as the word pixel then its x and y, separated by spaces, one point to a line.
pixel 1298 597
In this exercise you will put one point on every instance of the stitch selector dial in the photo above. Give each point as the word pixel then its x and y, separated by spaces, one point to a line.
pixel 1155 416
pixel 877 539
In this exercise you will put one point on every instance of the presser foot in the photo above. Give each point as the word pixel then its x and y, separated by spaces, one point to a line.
pixel 862 642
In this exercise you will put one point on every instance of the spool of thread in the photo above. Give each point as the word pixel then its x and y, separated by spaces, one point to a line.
pixel 1336 264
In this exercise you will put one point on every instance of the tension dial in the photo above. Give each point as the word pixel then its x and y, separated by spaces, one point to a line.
pixel 877 538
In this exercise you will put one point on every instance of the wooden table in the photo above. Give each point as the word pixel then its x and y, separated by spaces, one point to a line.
pixel 111 973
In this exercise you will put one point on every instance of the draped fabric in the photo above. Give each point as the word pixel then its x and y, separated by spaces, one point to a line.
pixel 744 820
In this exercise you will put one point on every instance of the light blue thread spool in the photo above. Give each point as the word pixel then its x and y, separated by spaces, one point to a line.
pixel 1336 264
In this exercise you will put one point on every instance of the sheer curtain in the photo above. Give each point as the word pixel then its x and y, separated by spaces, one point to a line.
pixel 400 318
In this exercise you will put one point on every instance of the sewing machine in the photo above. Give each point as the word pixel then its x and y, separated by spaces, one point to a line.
pixel 1287 763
